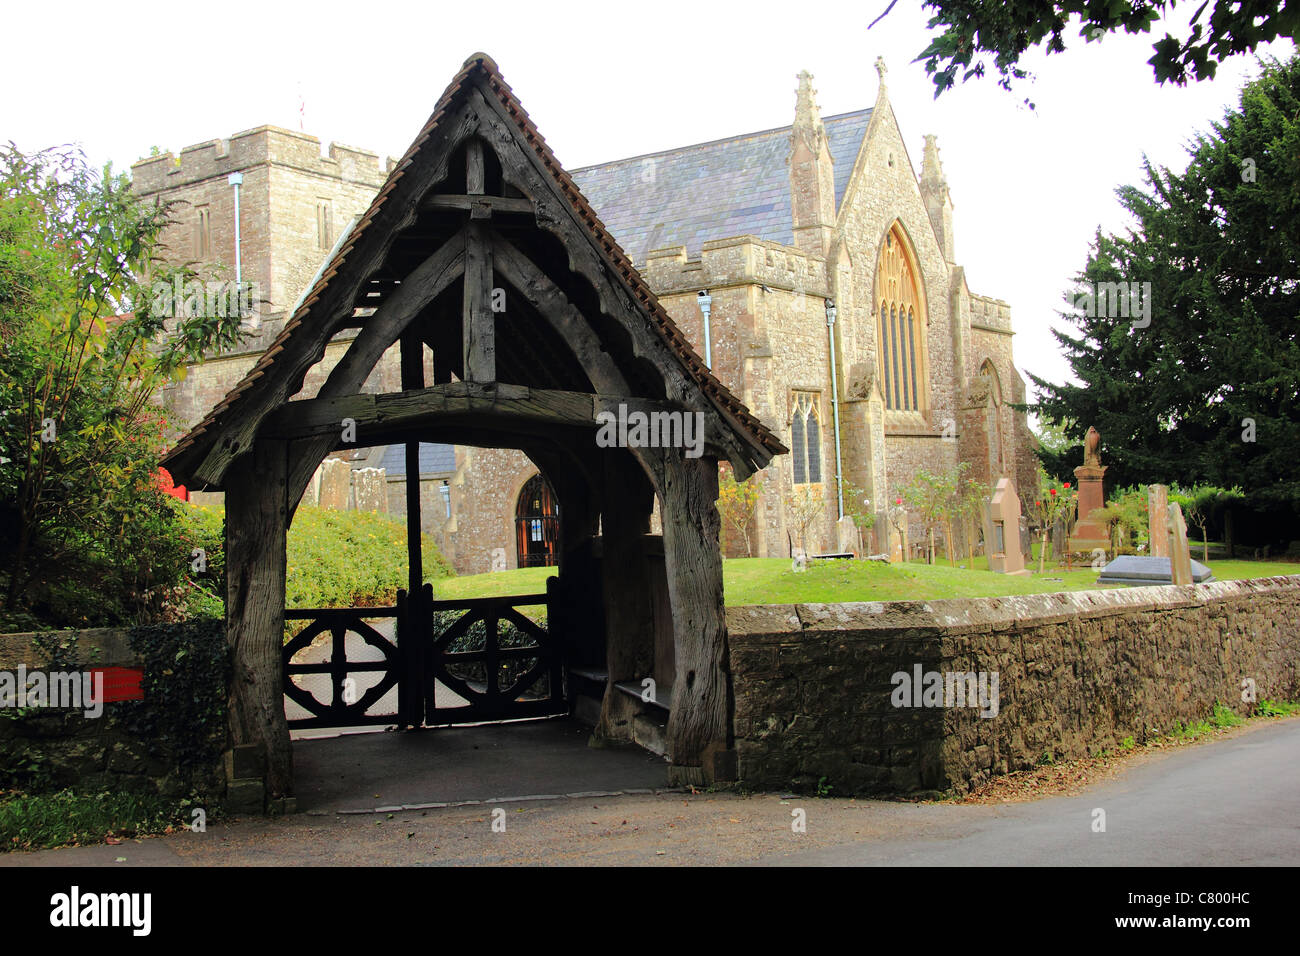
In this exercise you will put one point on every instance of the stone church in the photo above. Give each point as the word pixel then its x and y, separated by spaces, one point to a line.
pixel 808 264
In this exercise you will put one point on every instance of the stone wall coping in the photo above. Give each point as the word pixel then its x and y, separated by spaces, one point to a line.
pixel 957 615
pixel 113 644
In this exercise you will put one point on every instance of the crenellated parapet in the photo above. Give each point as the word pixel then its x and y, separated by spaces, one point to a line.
pixel 742 260
pixel 989 314
pixel 261 145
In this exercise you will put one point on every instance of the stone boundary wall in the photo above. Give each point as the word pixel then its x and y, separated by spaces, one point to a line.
pixel 45 748
pixel 1077 673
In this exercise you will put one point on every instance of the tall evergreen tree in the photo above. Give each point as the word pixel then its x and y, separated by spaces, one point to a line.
pixel 1209 390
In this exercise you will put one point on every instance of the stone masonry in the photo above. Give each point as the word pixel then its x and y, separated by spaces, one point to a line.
pixel 1078 673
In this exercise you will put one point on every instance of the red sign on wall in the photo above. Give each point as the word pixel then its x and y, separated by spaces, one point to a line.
pixel 120 683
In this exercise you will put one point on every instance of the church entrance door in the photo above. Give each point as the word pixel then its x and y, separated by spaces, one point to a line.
pixel 537 524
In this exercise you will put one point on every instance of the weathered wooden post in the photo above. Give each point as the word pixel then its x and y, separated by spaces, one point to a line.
pixel 699 727
pixel 256 524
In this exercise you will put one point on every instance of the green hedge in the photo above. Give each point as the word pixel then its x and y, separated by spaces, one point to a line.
pixel 335 559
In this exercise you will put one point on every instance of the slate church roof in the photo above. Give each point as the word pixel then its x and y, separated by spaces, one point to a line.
pixel 729 187
pixel 435 459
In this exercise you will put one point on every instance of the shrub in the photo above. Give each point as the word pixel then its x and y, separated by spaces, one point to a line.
pixel 334 559
pixel 88 536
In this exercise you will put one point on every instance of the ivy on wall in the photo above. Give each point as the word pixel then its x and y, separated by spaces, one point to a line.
pixel 186 681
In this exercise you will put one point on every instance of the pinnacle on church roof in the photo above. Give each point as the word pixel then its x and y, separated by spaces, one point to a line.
pixel 807 115
pixel 931 168
pixel 806 111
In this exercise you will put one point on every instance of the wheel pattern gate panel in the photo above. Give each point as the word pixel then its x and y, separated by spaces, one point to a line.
pixel 349 680
pixel 486 660
pixel 436 663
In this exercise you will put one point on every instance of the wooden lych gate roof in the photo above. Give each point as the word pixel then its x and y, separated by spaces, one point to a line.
pixel 478 193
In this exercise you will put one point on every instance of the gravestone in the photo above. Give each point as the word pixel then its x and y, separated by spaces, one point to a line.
pixel 1142 569
pixel 1005 556
pixel 1090 534
pixel 370 489
pixel 1158 520
pixel 897 543
pixel 846 536
pixel 1058 538
pixel 311 494
pixel 1180 556
pixel 335 484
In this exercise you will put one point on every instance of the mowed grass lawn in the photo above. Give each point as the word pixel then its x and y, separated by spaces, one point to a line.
pixel 773 581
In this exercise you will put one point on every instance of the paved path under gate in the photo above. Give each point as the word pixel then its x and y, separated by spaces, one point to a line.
pixel 447 765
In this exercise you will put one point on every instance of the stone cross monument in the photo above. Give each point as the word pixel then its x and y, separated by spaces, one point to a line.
pixel 1090 534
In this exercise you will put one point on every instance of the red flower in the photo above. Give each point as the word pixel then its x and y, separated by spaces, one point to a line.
pixel 1067 486
pixel 1053 490
pixel 899 501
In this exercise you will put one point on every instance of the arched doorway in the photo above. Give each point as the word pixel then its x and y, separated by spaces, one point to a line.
pixel 537 524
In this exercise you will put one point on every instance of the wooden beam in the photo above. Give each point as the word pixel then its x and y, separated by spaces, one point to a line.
pixel 410 643
pixel 413 378
pixel 493 405
pixel 474 168
pixel 564 318
pixel 478 325
pixel 455 401
pixel 493 204
pixel 425 283
pixel 700 732
pixel 627 502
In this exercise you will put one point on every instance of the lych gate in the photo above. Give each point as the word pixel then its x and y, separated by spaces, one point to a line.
pixel 519 321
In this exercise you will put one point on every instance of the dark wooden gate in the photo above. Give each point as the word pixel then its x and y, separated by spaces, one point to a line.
pixel 451 662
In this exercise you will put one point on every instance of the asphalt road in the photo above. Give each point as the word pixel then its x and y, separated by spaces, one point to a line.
pixel 1233 802
pixel 1227 802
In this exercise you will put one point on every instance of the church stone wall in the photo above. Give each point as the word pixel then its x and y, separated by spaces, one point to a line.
pixel 484 494
pixel 884 189
pixel 768 331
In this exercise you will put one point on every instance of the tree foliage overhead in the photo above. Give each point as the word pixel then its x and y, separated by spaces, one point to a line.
pixel 974 32
pixel 83 519
pixel 1209 390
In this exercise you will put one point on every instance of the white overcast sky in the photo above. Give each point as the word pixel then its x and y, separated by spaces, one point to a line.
pixel 605 80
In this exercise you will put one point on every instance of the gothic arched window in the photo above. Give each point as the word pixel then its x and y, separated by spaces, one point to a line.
pixel 806 440
pixel 902 325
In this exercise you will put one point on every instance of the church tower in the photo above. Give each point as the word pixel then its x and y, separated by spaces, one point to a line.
pixel 938 203
pixel 812 177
